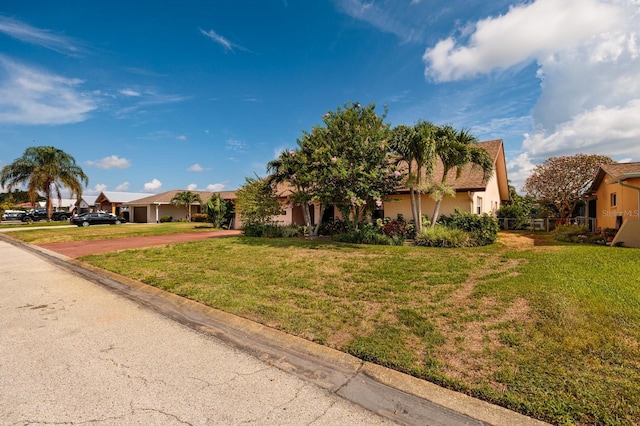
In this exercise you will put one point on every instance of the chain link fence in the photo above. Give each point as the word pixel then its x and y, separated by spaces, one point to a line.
pixel 544 224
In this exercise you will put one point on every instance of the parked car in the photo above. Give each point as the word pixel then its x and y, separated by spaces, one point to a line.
pixel 86 219
pixel 35 215
pixel 13 214
pixel 61 215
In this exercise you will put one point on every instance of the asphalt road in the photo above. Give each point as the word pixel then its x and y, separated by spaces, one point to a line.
pixel 72 352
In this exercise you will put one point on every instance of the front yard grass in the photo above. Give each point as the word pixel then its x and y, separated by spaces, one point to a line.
pixel 102 232
pixel 551 331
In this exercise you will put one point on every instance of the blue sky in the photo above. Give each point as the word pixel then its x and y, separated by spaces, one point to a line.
pixel 153 96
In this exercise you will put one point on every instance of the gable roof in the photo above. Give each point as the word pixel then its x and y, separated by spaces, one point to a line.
pixel 614 171
pixel 471 178
pixel 119 197
pixel 165 197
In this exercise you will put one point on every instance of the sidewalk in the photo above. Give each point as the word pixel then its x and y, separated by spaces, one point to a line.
pixel 337 375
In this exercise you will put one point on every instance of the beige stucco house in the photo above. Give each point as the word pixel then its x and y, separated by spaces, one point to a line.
pixel 472 194
pixel 614 201
pixel 151 208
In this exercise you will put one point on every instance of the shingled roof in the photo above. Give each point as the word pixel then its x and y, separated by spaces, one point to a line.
pixel 471 178
pixel 615 171
pixel 165 197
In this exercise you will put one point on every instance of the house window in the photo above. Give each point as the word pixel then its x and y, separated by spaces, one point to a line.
pixel 479 205
pixel 614 200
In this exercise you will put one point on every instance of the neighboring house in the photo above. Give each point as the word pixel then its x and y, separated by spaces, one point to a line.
pixel 614 199
pixel 151 208
pixel 472 194
pixel 112 201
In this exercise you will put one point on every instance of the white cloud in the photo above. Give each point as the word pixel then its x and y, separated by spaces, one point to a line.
pixel 215 187
pixel 111 162
pixel 520 36
pixel 181 138
pixel 222 41
pixel 124 186
pixel 235 145
pixel 154 185
pixel 45 38
pixel 192 187
pixel 97 189
pixel 130 92
pixel 588 65
pixel 195 168
pixel 31 96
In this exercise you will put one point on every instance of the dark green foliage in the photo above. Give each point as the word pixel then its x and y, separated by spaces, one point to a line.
pixel 257 202
pixel 272 230
pixel 483 228
pixel 368 234
pixel 165 219
pixel 333 227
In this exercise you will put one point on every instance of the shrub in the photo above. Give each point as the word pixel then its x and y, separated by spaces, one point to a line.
pixel 441 236
pixel 272 230
pixel 483 228
pixel 166 218
pixel 368 234
pixel 399 228
pixel 199 217
pixel 333 227
pixel 571 233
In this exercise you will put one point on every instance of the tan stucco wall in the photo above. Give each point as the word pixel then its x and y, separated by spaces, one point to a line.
pixel 626 203
pixel 401 204
pixel 629 234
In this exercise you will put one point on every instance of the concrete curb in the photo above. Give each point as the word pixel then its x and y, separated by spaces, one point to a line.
pixel 400 397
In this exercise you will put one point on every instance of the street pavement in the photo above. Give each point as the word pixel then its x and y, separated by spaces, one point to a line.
pixel 82 345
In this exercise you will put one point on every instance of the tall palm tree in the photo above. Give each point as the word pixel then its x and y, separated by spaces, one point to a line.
pixel 186 198
pixel 415 146
pixel 45 169
pixel 456 149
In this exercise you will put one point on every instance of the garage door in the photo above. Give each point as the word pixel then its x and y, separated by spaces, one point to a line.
pixel 140 214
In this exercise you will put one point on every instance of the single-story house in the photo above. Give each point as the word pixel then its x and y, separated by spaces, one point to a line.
pixel 151 208
pixel 614 201
pixel 112 201
pixel 472 194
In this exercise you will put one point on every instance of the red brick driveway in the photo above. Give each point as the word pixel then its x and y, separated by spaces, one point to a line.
pixel 80 248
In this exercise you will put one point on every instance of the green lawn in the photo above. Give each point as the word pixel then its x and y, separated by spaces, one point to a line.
pixel 551 331
pixel 100 232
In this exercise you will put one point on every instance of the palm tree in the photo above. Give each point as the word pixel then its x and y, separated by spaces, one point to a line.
pixel 415 146
pixel 186 198
pixel 216 209
pixel 45 169
pixel 456 149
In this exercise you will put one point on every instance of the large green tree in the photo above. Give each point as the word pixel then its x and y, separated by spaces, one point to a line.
pixel 342 162
pixel 562 181
pixel 186 198
pixel 46 170
pixel 457 149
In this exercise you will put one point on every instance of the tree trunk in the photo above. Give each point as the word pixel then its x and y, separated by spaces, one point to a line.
pixel 414 207
pixel 319 222
pixel 436 213
pixel 418 220
pixel 307 217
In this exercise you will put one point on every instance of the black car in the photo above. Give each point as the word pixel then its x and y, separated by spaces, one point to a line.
pixel 61 215
pixel 86 219
pixel 35 215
